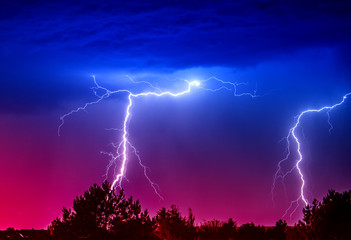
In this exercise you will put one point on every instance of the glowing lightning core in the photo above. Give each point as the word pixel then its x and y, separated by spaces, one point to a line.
pixel 122 154
pixel 292 134
pixel 127 117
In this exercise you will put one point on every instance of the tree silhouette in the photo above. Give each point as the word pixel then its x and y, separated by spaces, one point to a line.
pixel 102 214
pixel 278 232
pixel 299 231
pixel 171 225
pixel 131 223
pixel 215 229
pixel 330 218
pixel 211 230
pixel 249 231
pixel 229 229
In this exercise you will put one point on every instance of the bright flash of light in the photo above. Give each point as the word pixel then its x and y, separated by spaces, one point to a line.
pixel 194 83
pixel 122 148
pixel 293 137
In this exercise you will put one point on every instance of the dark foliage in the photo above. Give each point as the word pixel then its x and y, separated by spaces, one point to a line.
pixel 278 232
pixel 101 213
pixel 250 231
pixel 330 218
pixel 171 225
pixel 215 229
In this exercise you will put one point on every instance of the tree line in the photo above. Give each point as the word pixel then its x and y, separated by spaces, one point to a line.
pixel 101 213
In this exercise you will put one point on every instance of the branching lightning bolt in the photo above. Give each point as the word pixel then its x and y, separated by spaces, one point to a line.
pixel 121 149
pixel 292 136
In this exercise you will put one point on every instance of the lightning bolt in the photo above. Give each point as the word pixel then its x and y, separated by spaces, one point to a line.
pixel 121 148
pixel 292 137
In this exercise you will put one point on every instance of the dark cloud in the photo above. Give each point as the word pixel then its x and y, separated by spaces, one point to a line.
pixel 43 42
pixel 175 33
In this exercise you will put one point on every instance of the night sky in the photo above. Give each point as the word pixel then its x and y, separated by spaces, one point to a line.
pixel 213 152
